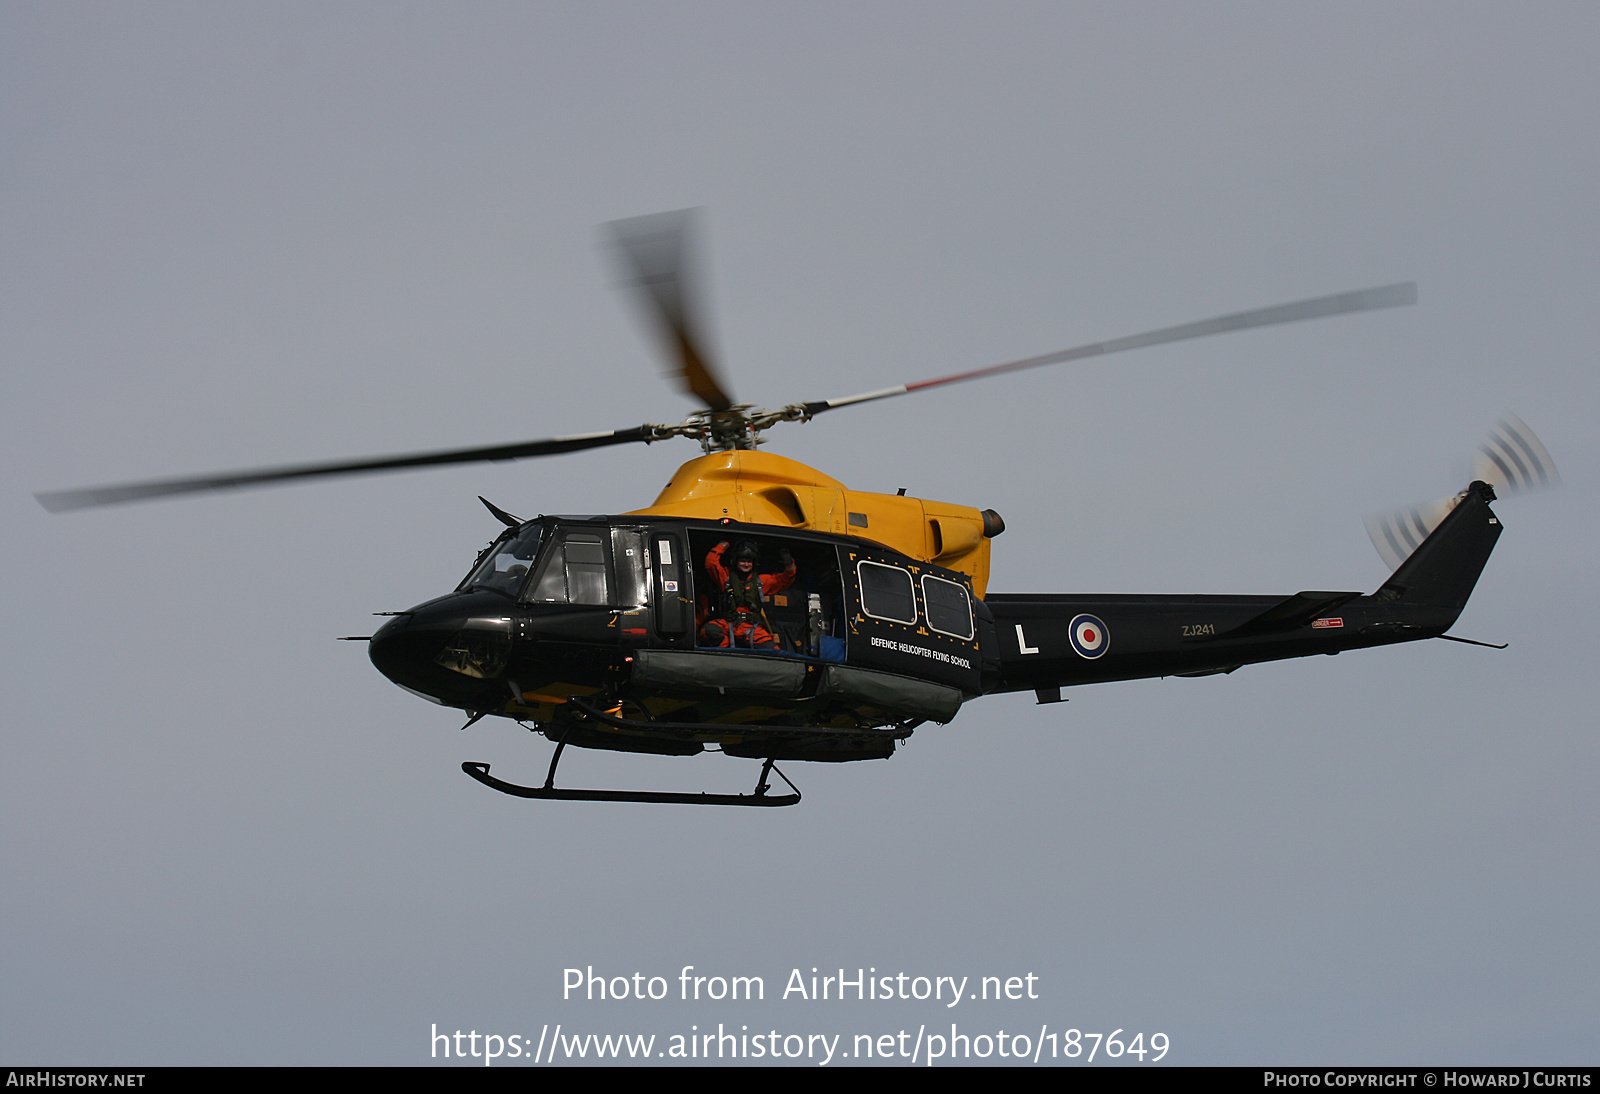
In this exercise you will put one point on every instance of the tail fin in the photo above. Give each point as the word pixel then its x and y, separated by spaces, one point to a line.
pixel 1443 569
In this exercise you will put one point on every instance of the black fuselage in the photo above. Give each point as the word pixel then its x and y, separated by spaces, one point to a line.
pixel 619 613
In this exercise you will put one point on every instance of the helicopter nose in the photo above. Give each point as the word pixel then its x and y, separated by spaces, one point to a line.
pixel 445 651
pixel 403 647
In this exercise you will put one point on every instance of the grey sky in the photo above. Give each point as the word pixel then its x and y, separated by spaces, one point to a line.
pixel 252 234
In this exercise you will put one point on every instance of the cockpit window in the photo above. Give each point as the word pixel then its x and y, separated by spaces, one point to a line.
pixel 504 566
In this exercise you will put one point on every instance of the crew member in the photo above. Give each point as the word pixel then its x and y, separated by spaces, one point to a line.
pixel 741 618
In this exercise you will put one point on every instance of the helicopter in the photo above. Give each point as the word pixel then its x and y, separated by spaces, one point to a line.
pixel 761 608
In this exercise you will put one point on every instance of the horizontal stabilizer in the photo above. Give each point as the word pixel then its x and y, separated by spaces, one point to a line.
pixel 1291 613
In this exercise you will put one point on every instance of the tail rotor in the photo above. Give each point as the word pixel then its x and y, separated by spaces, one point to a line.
pixel 1512 460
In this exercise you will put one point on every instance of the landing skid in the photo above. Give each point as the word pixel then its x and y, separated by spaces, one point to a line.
pixel 775 735
pixel 480 771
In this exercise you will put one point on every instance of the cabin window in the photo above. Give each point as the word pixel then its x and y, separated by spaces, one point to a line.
pixel 948 606
pixel 887 592
pixel 574 573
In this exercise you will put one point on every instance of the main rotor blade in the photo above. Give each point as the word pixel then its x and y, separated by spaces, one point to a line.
pixel 58 501
pixel 659 259
pixel 1387 296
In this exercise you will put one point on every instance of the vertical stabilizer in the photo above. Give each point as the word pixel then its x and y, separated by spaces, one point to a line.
pixel 1442 571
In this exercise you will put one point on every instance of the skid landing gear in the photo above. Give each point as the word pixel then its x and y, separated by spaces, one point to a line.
pixel 760 797
pixel 777 740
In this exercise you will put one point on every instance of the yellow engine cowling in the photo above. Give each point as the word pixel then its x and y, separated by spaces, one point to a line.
pixel 762 488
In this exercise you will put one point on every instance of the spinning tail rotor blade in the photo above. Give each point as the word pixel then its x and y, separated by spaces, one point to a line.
pixel 1387 296
pixel 658 257
pixel 1512 461
pixel 1399 532
pixel 58 501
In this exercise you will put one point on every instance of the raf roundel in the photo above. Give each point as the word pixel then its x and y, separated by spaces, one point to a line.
pixel 1089 636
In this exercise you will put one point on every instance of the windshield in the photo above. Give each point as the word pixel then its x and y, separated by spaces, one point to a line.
pixel 504 566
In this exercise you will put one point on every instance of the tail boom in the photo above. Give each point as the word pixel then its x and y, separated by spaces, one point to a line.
pixel 1053 640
